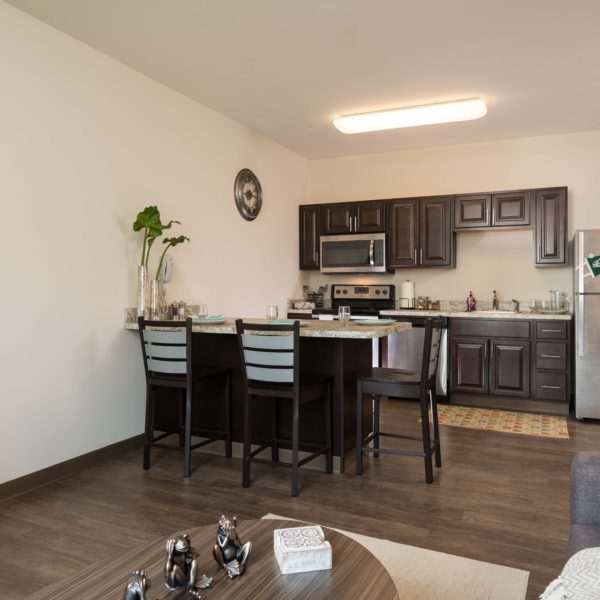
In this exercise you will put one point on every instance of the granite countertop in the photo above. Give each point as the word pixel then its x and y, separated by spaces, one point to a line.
pixel 476 314
pixel 312 328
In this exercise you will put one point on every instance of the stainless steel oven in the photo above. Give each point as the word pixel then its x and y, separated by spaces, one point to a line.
pixel 360 253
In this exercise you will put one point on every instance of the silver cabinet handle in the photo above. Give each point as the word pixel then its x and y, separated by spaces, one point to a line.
pixel 421 259
pixel 552 330
pixel 485 349
pixel 552 387
pixel 550 356
pixel 493 216
pixel 317 257
pixel 416 263
pixel 355 224
pixel 487 217
pixel 372 253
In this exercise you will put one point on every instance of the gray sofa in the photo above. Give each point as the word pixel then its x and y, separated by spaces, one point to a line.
pixel 585 502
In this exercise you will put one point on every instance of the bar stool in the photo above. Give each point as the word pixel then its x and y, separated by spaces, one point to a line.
pixel 167 353
pixel 270 358
pixel 403 384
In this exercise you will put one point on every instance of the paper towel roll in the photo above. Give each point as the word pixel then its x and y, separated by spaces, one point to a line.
pixel 407 294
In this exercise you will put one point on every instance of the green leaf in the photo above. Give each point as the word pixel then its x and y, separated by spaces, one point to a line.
pixel 149 219
pixel 174 241
pixel 168 225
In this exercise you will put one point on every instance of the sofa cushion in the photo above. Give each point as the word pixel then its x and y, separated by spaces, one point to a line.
pixel 583 536
pixel 579 579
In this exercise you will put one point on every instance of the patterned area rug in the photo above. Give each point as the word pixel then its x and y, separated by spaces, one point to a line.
pixel 504 421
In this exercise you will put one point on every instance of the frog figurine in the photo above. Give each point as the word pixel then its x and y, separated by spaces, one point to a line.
pixel 181 567
pixel 229 551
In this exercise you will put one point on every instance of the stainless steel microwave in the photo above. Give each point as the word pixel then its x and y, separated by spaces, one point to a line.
pixel 359 253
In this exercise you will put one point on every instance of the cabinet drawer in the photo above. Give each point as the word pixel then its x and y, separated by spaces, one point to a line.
pixel 489 328
pixel 551 386
pixel 551 330
pixel 551 356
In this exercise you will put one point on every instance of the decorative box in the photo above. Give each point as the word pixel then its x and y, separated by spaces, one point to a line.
pixel 301 549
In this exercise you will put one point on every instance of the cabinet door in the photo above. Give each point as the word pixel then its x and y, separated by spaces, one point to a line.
pixel 435 232
pixel 510 368
pixel 403 233
pixel 310 225
pixel 468 372
pixel 337 218
pixel 511 209
pixel 551 226
pixel 472 211
pixel 370 216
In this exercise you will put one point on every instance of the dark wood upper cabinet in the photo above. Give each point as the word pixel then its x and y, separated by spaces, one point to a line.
pixel 420 233
pixel 500 209
pixel 353 217
pixel 510 368
pixel 337 218
pixel 551 227
pixel 511 209
pixel 403 233
pixel 310 231
pixel 472 211
pixel 435 232
pixel 370 216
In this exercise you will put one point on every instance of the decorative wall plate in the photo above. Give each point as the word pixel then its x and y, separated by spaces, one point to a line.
pixel 248 194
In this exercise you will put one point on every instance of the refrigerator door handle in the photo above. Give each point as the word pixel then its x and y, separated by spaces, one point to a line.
pixel 580 324
pixel 580 265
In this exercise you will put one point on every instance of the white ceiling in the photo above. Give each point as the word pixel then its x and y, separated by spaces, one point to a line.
pixel 287 68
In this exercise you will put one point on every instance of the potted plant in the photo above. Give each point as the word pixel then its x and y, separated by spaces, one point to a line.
pixel 149 222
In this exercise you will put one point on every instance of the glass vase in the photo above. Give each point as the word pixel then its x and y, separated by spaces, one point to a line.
pixel 155 299
pixel 142 290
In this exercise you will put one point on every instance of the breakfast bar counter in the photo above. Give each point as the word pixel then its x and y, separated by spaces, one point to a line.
pixel 326 347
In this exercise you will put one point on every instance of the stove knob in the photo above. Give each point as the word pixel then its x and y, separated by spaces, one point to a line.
pixel 385 292
pixel 337 291
pixel 378 292
pixel 345 292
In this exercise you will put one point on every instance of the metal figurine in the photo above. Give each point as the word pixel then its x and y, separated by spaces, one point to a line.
pixel 229 551
pixel 137 585
pixel 181 567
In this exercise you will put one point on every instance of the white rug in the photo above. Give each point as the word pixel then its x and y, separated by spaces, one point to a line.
pixel 421 574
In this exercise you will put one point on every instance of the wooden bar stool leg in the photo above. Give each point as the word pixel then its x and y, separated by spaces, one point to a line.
pixel 328 432
pixel 426 439
pixel 436 429
pixel 376 424
pixel 148 434
pixel 359 431
pixel 295 417
pixel 246 458
pixel 187 450
pixel 275 431
pixel 182 401
pixel 228 414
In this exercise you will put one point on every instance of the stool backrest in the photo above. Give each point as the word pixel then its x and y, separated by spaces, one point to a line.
pixel 166 351
pixel 269 353
pixel 431 348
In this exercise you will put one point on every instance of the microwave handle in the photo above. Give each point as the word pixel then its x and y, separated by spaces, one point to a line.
pixel 372 253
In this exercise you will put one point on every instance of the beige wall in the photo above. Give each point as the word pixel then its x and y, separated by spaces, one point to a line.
pixel 485 261
pixel 86 143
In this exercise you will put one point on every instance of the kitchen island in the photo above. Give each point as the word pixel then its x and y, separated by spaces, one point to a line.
pixel 327 347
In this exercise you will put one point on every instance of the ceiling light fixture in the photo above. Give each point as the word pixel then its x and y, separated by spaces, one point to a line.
pixel 411 116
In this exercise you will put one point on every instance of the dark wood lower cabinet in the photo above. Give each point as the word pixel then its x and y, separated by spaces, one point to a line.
pixel 509 368
pixel 511 364
pixel 469 365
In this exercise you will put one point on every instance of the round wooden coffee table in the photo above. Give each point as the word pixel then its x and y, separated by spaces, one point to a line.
pixel 356 573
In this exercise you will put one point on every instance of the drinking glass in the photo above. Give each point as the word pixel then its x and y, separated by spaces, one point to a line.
pixel 344 314
pixel 202 311
pixel 272 312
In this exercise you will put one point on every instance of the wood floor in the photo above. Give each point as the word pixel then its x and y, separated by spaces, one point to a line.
pixel 500 498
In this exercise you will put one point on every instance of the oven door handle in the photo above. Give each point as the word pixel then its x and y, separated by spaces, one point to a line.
pixel 372 253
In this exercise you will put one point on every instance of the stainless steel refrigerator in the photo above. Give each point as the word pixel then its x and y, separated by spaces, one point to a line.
pixel 587 325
